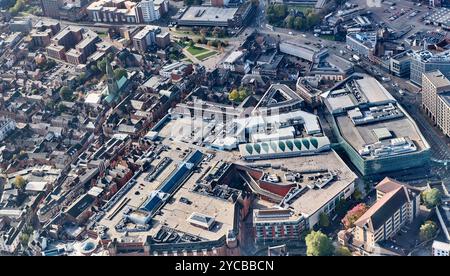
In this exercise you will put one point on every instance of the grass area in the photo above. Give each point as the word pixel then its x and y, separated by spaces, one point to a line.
pixel 194 50
pixel 206 55
pixel 328 37
pixel 300 8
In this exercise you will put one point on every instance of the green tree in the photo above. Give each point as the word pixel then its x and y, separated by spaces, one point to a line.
pixel 18 6
pixel 342 251
pixel 298 23
pixel 324 220
pixel 119 73
pixel 19 182
pixel 101 65
pixel 24 238
pixel 312 20
pixel 289 21
pixel 66 93
pixel 357 195
pixel 428 230
pixel 318 244
pixel 432 197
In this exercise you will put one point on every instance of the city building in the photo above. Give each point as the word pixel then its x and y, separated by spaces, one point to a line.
pixel 144 38
pixel 396 206
pixel 307 88
pixel 146 12
pixel 436 99
pixel 211 16
pixel 74 45
pixel 162 40
pixel 440 17
pixel 362 43
pixel 6 126
pixel 113 11
pixel 425 61
pixel 440 248
pixel 306 52
pixel 373 130
pixel 400 64
pixel 50 8
pixel 293 193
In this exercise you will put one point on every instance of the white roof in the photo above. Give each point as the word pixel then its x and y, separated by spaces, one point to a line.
pixel 36 186
pixel 233 57
pixel 443 246
pixel 93 98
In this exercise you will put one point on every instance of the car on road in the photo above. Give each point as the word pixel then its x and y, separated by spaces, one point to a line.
pixel 290 33
pixel 303 35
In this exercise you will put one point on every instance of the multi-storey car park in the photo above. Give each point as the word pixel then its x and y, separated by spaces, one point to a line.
pixel 374 131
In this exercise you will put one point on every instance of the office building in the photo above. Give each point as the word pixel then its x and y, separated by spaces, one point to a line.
pixel 363 43
pixel 425 61
pixel 436 99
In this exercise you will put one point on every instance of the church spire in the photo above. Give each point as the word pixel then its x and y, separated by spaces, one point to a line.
pixel 113 89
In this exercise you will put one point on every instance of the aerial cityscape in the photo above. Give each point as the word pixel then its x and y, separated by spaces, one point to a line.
pixel 224 128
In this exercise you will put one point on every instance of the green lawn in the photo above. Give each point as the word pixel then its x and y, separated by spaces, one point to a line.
pixel 301 8
pixel 206 55
pixel 328 37
pixel 194 50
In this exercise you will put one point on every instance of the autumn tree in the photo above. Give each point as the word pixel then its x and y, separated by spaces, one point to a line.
pixel 353 215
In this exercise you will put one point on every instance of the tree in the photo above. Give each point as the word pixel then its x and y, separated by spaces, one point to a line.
pixel 101 65
pixel 19 182
pixel 289 21
pixel 312 20
pixel 24 238
pixel 357 195
pixel 234 95
pixel 66 93
pixel 298 23
pixel 119 73
pixel 318 244
pixel 342 251
pixel 353 215
pixel 432 197
pixel 324 220
pixel 18 6
pixel 428 230
pixel 243 94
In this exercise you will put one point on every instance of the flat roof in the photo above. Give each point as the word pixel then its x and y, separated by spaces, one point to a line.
pixel 313 199
pixel 437 79
pixel 359 136
pixel 212 14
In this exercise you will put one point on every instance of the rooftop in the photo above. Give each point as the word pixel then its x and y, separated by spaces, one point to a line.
pixel 207 13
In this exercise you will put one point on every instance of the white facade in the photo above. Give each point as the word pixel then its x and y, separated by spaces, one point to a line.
pixel 441 248
pixel 6 127
pixel 149 13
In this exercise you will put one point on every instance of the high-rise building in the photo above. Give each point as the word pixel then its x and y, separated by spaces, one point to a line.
pixel 50 8
pixel 146 12
pixel 436 99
